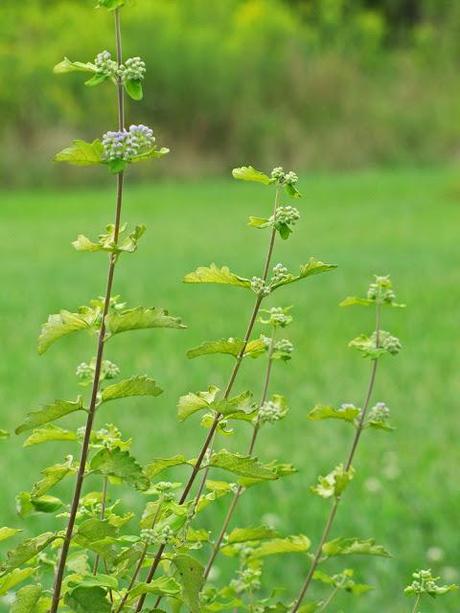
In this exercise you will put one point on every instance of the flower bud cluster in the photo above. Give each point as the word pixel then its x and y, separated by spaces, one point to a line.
pixel 157 536
pixel 270 413
pixel 284 178
pixel 127 144
pixel 381 290
pixel 164 489
pixel 85 371
pixel 288 215
pixel 284 346
pixel 259 286
pixel 279 273
pixel 387 341
pixel 277 316
pixel 133 69
pixel 379 412
pixel 248 580
pixel 425 583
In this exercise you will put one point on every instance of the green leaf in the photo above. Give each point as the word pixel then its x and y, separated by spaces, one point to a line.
pixel 230 346
pixel 52 475
pixel 134 386
pixel 354 300
pixel 110 5
pixel 81 153
pixel 49 413
pixel 88 600
pixel 26 551
pixel 367 347
pixel 190 574
pixel 141 318
pixel 63 323
pixel 153 154
pixel 4 435
pixel 49 433
pixel 94 581
pixel 313 267
pixel 290 544
pixel 193 402
pixel 333 484
pixel 96 80
pixel 93 530
pixel 16 576
pixel 126 243
pixel 350 546
pixel 246 466
pixel 280 470
pixel 346 413
pixel 120 464
pixel 159 465
pixel 163 586
pixel 292 190
pixel 27 599
pixel 214 274
pixel 26 504
pixel 133 88
pixel 7 533
pixel 248 173
pixel 68 66
pixel 260 222
pixel 243 535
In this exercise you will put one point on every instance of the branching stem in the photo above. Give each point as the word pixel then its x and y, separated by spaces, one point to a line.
pixel 99 355
pixel 333 511
pixel 208 443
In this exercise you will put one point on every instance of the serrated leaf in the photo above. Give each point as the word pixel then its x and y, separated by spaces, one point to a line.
pixel 134 386
pixel 214 274
pixel 52 475
pixel 133 88
pixel 350 546
pixel 141 318
pixel 313 267
pixel 68 66
pixel 88 600
pixel 158 465
pixel 280 470
pixel 196 401
pixel 164 586
pixel 190 574
pixel 354 300
pixel 48 434
pixel 27 599
pixel 259 222
pixel 230 346
pixel 7 533
pixel 333 484
pixel 322 411
pixel 16 576
pixel 290 544
pixel 248 173
pixel 243 535
pixel 119 464
pixel 153 154
pixel 64 323
pixel 126 243
pixel 81 153
pixel 27 550
pixel 49 413
pixel 367 347
pixel 245 466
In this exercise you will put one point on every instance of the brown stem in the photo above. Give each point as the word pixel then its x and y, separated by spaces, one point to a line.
pixel 102 516
pixel 351 455
pixel 99 358
pixel 210 437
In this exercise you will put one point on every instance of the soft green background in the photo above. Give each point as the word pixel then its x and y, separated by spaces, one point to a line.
pixel 406 492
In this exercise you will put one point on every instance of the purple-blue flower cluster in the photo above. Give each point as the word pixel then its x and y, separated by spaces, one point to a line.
pixel 128 144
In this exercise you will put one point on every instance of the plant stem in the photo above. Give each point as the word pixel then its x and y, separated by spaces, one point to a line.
pixel 328 601
pixel 351 455
pixel 99 355
pixel 236 496
pixel 417 602
pixel 208 443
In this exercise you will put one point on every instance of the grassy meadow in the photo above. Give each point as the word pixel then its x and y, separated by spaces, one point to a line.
pixel 406 492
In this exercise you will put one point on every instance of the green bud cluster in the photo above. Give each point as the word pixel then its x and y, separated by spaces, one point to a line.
pixel 284 178
pixel 85 371
pixel 248 580
pixel 277 316
pixel 157 536
pixel 379 412
pixel 133 69
pixel 286 215
pixel 425 583
pixel 279 273
pixel 270 413
pixel 259 286
pixel 284 346
pixel 381 290
pixel 387 341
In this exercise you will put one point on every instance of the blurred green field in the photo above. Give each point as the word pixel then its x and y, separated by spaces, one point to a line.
pixel 407 489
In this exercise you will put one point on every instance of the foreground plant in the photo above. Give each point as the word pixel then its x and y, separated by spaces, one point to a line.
pixel 331 487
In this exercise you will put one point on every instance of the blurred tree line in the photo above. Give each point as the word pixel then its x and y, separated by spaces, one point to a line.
pixel 313 83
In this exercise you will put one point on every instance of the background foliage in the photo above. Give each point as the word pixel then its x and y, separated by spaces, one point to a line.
pixel 313 83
